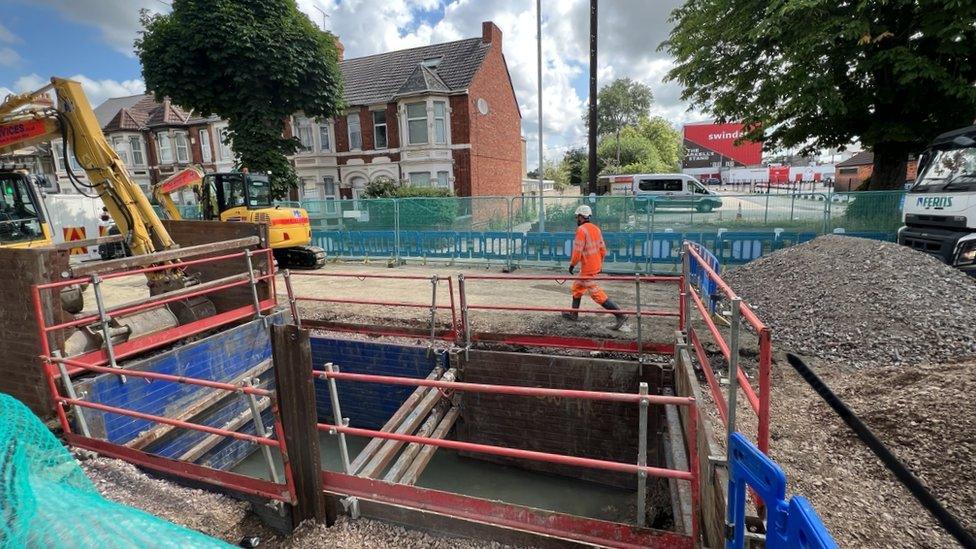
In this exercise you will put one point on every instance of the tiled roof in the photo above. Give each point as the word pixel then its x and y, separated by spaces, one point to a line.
pixel 422 80
pixel 142 114
pixel 862 158
pixel 379 78
pixel 110 108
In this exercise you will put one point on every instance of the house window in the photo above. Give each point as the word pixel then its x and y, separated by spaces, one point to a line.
pixel 417 123
pixel 443 180
pixel 224 148
pixel 325 141
pixel 329 193
pixel 432 62
pixel 420 179
pixel 121 148
pixel 59 158
pixel 205 153
pixel 379 129
pixel 440 122
pixel 138 155
pixel 165 145
pixel 848 171
pixel 355 133
pixel 182 148
pixel 304 132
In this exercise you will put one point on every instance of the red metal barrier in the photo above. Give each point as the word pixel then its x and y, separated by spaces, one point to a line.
pixel 375 330
pixel 760 403
pixel 692 474
pixel 638 346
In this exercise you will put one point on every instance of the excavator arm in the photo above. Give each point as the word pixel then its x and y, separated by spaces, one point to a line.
pixel 191 177
pixel 73 120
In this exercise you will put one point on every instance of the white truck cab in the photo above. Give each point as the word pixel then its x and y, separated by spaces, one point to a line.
pixel 940 209
pixel 674 190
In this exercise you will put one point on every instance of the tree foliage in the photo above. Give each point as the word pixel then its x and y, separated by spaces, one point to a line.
pixel 818 74
pixel 621 103
pixel 251 62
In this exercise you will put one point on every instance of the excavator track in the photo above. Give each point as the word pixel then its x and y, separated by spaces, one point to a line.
pixel 300 257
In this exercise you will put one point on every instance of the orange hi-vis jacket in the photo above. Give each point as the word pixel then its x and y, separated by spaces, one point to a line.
pixel 588 249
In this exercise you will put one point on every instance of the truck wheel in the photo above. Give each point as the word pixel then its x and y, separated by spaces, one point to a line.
pixel 704 207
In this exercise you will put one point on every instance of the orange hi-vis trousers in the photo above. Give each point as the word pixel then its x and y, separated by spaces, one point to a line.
pixel 597 294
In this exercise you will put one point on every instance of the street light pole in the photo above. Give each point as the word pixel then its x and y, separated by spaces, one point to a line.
pixel 538 30
pixel 591 141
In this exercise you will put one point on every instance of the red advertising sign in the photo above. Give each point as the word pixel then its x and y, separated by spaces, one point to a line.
pixel 710 145
pixel 779 174
pixel 20 131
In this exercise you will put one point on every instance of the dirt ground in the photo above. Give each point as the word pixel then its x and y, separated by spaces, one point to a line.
pixel 918 411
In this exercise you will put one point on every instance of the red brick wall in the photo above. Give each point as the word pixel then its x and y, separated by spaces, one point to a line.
pixel 341 134
pixel 392 126
pixel 496 155
pixel 462 172
pixel 366 125
pixel 460 119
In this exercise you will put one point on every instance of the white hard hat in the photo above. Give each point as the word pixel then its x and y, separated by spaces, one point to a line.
pixel 584 211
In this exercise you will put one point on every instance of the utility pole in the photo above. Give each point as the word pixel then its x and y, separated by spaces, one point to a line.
pixel 538 30
pixel 591 142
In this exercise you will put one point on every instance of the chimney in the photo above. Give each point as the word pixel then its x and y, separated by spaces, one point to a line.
pixel 491 34
pixel 340 48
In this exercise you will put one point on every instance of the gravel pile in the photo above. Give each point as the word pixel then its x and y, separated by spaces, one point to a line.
pixel 861 302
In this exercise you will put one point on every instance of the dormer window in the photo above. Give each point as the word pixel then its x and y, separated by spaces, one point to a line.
pixel 432 62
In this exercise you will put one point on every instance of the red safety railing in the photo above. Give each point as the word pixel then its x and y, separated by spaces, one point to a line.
pixel 112 352
pixel 433 306
pixel 759 403
pixel 692 474
pixel 639 346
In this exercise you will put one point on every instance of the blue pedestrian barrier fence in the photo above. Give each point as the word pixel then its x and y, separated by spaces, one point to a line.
pixel 789 523
pixel 706 286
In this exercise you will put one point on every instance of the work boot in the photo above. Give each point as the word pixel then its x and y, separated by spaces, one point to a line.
pixel 621 318
pixel 573 315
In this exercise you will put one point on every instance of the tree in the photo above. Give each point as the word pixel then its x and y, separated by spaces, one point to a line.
pixel 818 74
pixel 621 103
pixel 251 62
pixel 636 154
pixel 666 139
pixel 574 165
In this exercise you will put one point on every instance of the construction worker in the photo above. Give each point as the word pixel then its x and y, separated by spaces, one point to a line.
pixel 588 252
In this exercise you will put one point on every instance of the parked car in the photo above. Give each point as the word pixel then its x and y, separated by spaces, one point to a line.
pixel 674 190
pixel 713 181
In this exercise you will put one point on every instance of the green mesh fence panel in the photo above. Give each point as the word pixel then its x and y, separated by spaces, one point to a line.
pixel 47 501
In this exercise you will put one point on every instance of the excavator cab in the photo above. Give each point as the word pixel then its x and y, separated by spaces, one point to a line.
pixel 243 196
pixel 22 221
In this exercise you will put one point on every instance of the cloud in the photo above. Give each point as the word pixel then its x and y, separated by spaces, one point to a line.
pixel 9 57
pixel 118 20
pixel 8 37
pixel 96 90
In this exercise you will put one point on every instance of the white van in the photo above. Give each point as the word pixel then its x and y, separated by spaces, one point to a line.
pixel 674 190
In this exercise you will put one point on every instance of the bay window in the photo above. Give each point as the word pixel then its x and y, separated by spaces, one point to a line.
pixel 138 155
pixel 440 122
pixel 165 146
pixel 205 152
pixel 420 179
pixel 182 148
pixel 304 133
pixel 417 123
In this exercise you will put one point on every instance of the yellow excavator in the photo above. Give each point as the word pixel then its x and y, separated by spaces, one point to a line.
pixel 30 118
pixel 242 196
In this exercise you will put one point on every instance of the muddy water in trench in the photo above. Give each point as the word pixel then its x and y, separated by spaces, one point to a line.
pixel 450 472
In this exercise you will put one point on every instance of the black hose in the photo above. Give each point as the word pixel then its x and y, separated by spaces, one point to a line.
pixel 914 485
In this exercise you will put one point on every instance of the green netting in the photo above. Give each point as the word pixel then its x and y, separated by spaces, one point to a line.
pixel 47 501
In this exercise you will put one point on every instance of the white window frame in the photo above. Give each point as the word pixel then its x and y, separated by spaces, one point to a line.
pixel 446 184
pixel 353 146
pixel 206 153
pixel 224 151
pixel 123 150
pixel 325 145
pixel 406 110
pixel 138 148
pixel 411 175
pixel 376 127
pixel 182 142
pixel 439 122
pixel 305 133
pixel 167 153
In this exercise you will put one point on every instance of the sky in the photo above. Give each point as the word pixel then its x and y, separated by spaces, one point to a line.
pixel 91 41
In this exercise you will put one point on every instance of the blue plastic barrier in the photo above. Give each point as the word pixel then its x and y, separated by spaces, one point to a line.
pixel 790 524
pixel 743 247
pixel 706 286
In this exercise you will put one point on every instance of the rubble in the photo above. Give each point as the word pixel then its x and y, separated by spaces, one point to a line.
pixel 860 302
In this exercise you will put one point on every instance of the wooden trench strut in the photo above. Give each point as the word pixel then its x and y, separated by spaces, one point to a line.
pixel 427 412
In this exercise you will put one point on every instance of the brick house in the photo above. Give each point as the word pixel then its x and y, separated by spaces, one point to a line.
pixel 154 140
pixel 855 170
pixel 443 115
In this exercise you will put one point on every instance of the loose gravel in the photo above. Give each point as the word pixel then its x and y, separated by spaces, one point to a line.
pixel 861 302
pixel 231 520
